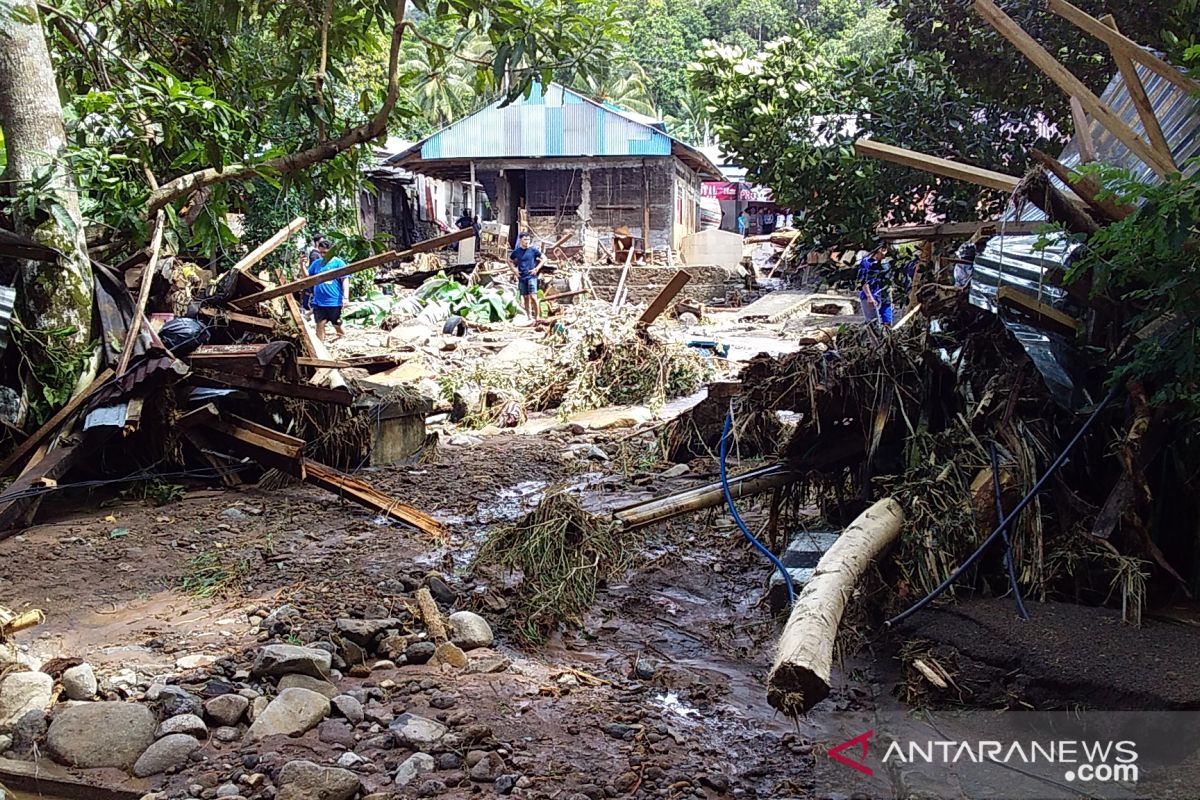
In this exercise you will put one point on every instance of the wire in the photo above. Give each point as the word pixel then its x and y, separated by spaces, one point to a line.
pixel 737 518
pixel 1012 515
pixel 1008 545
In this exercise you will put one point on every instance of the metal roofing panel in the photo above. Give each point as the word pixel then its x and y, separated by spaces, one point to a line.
pixel 8 300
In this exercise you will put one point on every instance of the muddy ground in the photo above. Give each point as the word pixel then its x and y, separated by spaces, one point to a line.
pixel 689 720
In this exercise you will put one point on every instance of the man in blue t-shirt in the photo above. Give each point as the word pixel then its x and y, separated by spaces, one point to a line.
pixel 328 297
pixel 527 262
pixel 873 296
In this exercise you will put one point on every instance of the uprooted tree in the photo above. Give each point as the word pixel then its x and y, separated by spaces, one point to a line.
pixel 191 107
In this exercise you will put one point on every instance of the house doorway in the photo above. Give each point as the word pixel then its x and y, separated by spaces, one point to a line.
pixel 515 182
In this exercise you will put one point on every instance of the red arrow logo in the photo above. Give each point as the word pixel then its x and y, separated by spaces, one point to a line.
pixel 861 740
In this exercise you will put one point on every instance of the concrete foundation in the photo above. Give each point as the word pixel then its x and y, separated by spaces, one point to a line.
pixel 397 423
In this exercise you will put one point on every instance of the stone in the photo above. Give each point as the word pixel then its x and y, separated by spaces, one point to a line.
pixel 257 706
pixel 645 669
pixel 431 788
pixel 488 768
pixel 505 783
pixel 383 664
pixel 22 692
pixel 392 646
pixel 334 731
pixel 174 700
pixel 228 790
pixel 5 743
pixel 441 590
pixel 188 724
pixel 227 734
pixel 293 713
pixel 195 661
pixel 306 780
pixel 296 681
pixel 469 631
pixel 168 753
pixel 417 732
pixel 443 702
pixel 450 653
pixel 28 732
pixel 413 767
pixel 226 709
pixel 363 631
pixel 485 666
pixel 352 653
pixel 277 660
pixel 448 761
pixel 233 514
pixel 419 652
pixel 102 734
pixel 677 471
pixel 79 682
pixel 349 708
pixel 464 440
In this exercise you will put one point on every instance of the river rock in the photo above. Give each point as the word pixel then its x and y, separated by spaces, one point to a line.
pixel 469 630
pixel 334 731
pixel 227 734
pixel 292 713
pixel 349 708
pixel 101 735
pixel 363 631
pixel 417 732
pixel 174 700
pixel 414 766
pixel 5 743
pixel 486 769
pixel 277 660
pixel 79 682
pixel 419 652
pixel 321 687
pixel 226 709
pixel 168 753
pixel 28 733
pixel 22 692
pixel 305 780
pixel 187 724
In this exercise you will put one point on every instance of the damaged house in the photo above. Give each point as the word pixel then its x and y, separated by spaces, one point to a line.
pixel 572 170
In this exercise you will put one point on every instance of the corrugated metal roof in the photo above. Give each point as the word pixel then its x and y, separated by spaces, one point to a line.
pixel 8 300
pixel 1015 261
pixel 558 122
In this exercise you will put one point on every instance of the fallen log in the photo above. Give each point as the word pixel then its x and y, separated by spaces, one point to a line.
pixel 800 676
pixel 709 496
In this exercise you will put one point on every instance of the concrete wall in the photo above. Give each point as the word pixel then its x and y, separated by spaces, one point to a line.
pixel 709 284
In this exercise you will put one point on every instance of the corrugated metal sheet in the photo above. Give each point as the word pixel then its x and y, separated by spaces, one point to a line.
pixel 1014 261
pixel 558 123
pixel 8 300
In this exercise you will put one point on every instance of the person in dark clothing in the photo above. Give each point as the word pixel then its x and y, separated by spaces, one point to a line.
pixel 873 294
pixel 469 220
pixel 527 263
pixel 306 296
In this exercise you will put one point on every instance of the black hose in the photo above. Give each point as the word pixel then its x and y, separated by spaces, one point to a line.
pixel 1012 515
pixel 997 489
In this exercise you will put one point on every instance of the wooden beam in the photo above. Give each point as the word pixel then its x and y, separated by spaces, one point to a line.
pixel 307 340
pixel 959 229
pixel 659 304
pixel 269 433
pixel 1116 41
pixel 1073 87
pixel 259 324
pixel 250 300
pixel 364 494
pixel 1141 101
pixel 1083 132
pixel 938 166
pixel 38 437
pixel 270 245
pixel 139 308
pixel 322 363
pixel 1045 315
pixel 1087 189
pixel 266 450
pixel 20 500
pixel 303 391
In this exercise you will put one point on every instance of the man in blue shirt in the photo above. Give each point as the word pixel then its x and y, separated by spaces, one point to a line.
pixel 873 295
pixel 328 297
pixel 527 262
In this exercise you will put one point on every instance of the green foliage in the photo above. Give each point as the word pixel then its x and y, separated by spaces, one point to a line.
pixel 1150 262
pixel 55 363
pixel 473 303
pixel 213 573
pixel 156 492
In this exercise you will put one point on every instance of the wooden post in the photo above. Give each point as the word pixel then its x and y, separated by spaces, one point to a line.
pixel 617 299
pixel 938 166
pixel 1137 93
pixel 1083 132
pixel 1087 189
pixel 139 308
pixel 1074 87
pixel 663 298
pixel 270 245
pixel 702 497
pixel 646 213
pixel 800 677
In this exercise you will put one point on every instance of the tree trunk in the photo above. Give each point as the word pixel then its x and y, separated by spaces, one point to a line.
pixel 54 295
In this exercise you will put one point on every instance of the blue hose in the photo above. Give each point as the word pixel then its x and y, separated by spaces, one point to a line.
pixel 737 518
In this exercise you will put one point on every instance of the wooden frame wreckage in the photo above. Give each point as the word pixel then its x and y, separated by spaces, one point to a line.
pixel 204 396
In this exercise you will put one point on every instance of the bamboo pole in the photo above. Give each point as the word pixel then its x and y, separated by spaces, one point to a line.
pixel 674 505
pixel 139 309
pixel 800 676
pixel 270 245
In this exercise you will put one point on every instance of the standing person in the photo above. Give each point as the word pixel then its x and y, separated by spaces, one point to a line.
pixel 468 220
pixel 330 296
pixel 306 296
pixel 527 263
pixel 768 221
pixel 872 295
pixel 743 223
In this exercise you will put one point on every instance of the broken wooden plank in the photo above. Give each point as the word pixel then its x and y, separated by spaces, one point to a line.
pixel 322 363
pixel 1071 85
pixel 266 450
pixel 1117 41
pixel 267 432
pixel 1044 314
pixel 196 438
pixel 938 166
pixel 800 677
pixel 20 501
pixel 660 302
pixel 270 245
pixel 307 340
pixel 249 301
pixel 198 416
pixel 1087 189
pixel 139 308
pixel 618 294
pixel 1083 132
pixel 249 321
pixel 38 437
pixel 1141 101
pixel 303 391
pixel 346 486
